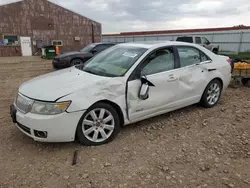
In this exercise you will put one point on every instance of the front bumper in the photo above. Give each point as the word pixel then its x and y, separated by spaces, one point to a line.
pixel 58 128
pixel 60 63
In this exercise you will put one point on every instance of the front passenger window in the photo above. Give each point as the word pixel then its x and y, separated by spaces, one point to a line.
pixel 160 61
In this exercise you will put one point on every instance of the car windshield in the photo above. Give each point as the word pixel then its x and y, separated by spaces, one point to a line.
pixel 88 48
pixel 113 62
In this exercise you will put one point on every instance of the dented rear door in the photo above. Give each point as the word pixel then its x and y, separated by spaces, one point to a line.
pixel 193 76
pixel 191 84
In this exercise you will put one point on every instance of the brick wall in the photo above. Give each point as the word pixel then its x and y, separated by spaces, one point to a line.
pixel 43 20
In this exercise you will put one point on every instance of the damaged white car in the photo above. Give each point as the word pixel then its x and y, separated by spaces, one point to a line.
pixel 124 84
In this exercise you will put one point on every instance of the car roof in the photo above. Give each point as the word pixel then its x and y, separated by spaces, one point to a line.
pixel 97 43
pixel 155 44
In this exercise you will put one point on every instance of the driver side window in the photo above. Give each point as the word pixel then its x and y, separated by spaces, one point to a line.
pixel 160 61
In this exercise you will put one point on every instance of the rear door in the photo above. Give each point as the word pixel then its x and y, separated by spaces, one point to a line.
pixel 192 74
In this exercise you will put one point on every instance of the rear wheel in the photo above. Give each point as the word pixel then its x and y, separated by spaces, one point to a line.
pixel 99 125
pixel 76 62
pixel 212 94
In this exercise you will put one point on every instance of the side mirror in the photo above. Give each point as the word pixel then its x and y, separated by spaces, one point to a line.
pixel 207 43
pixel 144 89
pixel 143 94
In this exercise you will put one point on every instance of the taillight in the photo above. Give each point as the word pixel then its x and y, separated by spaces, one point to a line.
pixel 229 61
pixel 231 64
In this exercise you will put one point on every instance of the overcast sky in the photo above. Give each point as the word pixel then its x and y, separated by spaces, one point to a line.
pixel 139 15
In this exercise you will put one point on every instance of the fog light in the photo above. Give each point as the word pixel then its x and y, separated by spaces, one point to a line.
pixel 40 134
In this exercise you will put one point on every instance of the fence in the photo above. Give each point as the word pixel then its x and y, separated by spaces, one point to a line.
pixel 230 41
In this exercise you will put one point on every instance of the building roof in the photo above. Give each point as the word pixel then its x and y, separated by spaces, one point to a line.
pixel 20 1
pixel 178 31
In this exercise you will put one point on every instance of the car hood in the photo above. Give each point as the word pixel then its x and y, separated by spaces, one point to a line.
pixel 54 85
pixel 66 54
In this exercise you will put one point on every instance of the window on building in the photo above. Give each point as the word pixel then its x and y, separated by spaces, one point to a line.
pixel 11 40
pixel 57 42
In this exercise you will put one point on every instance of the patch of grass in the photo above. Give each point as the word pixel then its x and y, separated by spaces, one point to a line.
pixel 241 55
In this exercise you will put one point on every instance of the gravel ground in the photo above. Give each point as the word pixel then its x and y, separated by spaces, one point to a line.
pixel 191 147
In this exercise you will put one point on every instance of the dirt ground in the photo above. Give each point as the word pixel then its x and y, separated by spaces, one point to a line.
pixel 191 147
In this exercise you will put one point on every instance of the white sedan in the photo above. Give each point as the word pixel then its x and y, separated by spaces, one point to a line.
pixel 124 84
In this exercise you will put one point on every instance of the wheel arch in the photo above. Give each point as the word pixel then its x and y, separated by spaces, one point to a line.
pixel 215 49
pixel 217 78
pixel 114 105
pixel 73 58
pixel 220 80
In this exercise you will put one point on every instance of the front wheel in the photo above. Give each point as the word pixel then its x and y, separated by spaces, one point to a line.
pixel 99 125
pixel 212 94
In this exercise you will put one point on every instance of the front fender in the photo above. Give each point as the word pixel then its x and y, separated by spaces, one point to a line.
pixel 113 90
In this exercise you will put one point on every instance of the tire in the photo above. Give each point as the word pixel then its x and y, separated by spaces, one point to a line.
pixel 215 51
pixel 236 83
pixel 76 62
pixel 246 82
pixel 213 92
pixel 95 130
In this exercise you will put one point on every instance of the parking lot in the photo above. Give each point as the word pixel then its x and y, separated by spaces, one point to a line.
pixel 191 147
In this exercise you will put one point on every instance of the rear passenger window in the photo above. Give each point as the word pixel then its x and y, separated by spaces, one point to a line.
pixel 190 56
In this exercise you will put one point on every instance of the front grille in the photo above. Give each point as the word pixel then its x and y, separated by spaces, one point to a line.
pixel 24 128
pixel 23 104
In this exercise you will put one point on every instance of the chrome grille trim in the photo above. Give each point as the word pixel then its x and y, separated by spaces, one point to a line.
pixel 23 103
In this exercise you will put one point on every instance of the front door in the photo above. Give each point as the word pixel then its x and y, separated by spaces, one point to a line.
pixel 26 46
pixel 159 70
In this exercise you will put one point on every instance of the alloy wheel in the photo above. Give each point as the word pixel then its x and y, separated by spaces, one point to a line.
pixel 213 93
pixel 98 125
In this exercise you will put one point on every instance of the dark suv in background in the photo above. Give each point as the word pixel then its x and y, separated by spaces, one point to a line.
pixel 69 59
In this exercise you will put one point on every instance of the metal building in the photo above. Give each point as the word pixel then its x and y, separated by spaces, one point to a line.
pixel 230 39
pixel 27 25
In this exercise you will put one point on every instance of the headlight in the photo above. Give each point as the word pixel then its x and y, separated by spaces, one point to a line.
pixel 45 108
